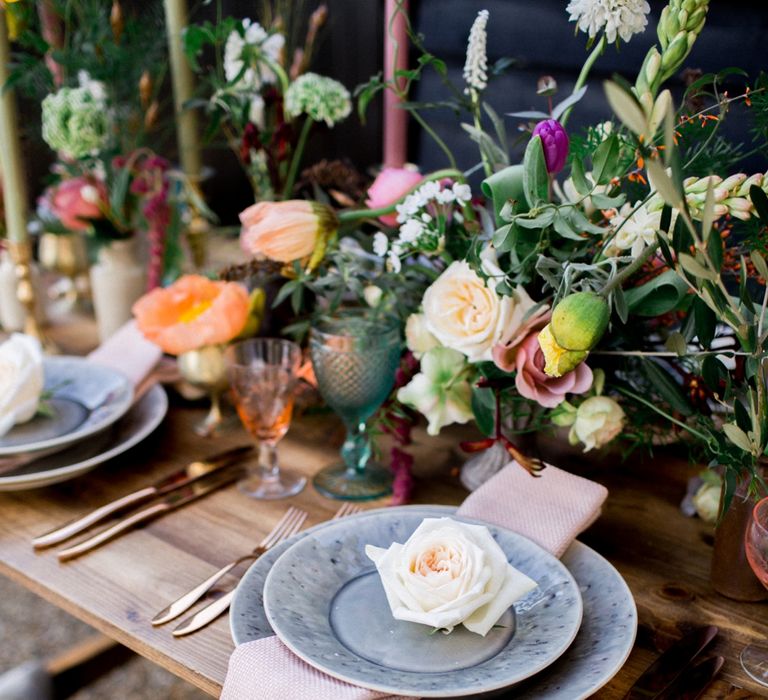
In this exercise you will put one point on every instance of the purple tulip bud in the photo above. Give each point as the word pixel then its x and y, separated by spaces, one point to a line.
pixel 554 140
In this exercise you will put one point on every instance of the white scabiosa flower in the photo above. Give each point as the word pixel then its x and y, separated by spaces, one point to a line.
pixel 476 65
pixel 623 18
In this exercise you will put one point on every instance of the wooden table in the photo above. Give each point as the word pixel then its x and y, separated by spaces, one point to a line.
pixel 663 556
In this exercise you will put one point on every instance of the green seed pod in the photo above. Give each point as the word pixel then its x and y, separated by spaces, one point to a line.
pixel 579 321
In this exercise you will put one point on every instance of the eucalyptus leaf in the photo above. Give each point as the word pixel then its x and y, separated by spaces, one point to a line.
pixel 667 388
pixel 676 343
pixel 572 99
pixel 663 183
pixel 760 265
pixel 535 175
pixel 578 176
pixel 605 161
pixel 531 114
pixel 626 107
pixel 694 268
pixel 737 436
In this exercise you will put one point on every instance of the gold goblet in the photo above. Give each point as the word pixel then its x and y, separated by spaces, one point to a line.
pixel 206 369
pixel 67 255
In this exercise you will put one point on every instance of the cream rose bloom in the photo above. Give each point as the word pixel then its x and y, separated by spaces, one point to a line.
pixel 598 420
pixel 418 339
pixel 21 380
pixel 465 314
pixel 449 573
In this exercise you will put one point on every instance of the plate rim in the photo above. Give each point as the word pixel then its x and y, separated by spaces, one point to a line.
pixel 49 477
pixel 427 693
pixel 77 434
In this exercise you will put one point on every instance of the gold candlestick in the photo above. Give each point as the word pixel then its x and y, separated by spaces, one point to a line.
pixel 15 190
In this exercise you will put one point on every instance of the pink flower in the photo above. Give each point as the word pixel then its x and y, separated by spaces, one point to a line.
pixel 533 383
pixel 388 187
pixel 76 200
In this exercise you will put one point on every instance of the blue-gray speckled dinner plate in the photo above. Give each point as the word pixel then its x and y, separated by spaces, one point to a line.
pixel 604 641
pixel 83 399
pixel 324 599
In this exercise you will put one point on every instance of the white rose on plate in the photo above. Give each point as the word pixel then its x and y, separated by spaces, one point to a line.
pixel 21 380
pixel 449 573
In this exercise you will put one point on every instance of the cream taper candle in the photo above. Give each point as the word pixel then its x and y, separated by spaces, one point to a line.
pixel 14 175
pixel 183 90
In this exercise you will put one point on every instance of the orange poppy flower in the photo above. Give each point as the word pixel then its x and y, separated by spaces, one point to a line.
pixel 192 313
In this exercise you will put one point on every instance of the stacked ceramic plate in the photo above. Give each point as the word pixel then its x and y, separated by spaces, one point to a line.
pixel 89 415
pixel 321 595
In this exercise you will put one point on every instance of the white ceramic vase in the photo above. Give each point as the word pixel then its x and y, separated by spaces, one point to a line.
pixel 118 279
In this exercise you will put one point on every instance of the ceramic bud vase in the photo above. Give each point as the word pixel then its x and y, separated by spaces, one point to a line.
pixel 731 574
pixel 117 280
pixel 12 314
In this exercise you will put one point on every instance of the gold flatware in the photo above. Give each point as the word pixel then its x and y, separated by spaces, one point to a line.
pixel 175 499
pixel 209 613
pixel 290 523
pixel 189 474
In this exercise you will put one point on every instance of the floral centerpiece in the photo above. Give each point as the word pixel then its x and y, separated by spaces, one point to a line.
pixel 610 283
pixel 261 95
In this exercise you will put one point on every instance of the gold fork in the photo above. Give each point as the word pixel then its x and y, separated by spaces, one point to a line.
pixel 288 525
pixel 209 613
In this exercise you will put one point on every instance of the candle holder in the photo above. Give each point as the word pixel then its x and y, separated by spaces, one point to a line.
pixel 21 256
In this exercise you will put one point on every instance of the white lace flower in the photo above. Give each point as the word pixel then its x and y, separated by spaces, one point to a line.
pixel 476 65
pixel 462 192
pixel 380 244
pixel 616 17
pixel 411 231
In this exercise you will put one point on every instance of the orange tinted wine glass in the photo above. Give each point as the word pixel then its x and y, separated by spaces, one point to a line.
pixel 263 375
pixel 754 657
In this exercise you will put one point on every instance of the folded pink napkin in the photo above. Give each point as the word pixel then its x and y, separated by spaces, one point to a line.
pixel 129 352
pixel 551 510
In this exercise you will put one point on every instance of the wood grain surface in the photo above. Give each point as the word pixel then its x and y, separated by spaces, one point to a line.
pixel 117 589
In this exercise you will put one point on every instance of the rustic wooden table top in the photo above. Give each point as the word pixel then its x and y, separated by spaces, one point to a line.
pixel 118 588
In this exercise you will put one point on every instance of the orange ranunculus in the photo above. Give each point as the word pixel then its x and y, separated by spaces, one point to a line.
pixel 286 231
pixel 191 313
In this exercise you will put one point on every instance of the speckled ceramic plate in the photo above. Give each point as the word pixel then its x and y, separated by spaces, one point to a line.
pixel 604 641
pixel 85 455
pixel 85 398
pixel 324 599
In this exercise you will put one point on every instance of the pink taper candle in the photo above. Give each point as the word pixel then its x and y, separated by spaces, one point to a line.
pixel 395 119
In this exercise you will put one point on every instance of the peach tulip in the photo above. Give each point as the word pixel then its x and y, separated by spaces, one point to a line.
pixel 192 313
pixel 286 231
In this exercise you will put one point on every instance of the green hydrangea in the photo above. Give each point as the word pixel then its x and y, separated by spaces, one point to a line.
pixel 75 122
pixel 321 99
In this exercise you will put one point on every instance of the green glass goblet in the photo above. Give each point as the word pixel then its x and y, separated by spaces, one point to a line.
pixel 355 354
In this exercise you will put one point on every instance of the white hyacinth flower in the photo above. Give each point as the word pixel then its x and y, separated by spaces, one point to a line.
pixel 623 18
pixel 476 65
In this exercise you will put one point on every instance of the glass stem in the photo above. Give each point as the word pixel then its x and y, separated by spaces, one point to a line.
pixel 356 450
pixel 270 469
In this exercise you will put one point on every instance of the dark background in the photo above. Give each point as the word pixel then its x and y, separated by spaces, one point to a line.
pixel 536 34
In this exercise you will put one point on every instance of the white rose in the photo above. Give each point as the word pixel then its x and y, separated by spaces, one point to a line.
pixel 418 339
pixel 449 573
pixel 599 419
pixel 21 380
pixel 464 313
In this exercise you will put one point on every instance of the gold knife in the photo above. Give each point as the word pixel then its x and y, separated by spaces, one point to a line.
pixel 189 474
pixel 177 498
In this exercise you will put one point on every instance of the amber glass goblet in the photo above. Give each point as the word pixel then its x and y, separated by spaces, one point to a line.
pixel 263 375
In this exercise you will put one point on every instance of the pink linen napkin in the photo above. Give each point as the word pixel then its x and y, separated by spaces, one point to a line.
pixel 551 510
pixel 129 352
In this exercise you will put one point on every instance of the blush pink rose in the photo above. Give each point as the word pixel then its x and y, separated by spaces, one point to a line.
pixel 389 186
pixel 76 200
pixel 547 391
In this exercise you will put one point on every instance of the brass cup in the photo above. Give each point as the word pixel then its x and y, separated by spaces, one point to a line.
pixel 206 369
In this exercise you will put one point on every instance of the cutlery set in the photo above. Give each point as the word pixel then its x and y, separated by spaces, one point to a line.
pixel 184 486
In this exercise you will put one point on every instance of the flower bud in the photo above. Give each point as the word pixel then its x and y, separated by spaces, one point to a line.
pixel 733 181
pixel 554 141
pixel 579 321
pixel 288 231
pixel 675 52
pixel 117 21
pixel 557 360
pixel 546 86
pixel 151 115
pixel 145 89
